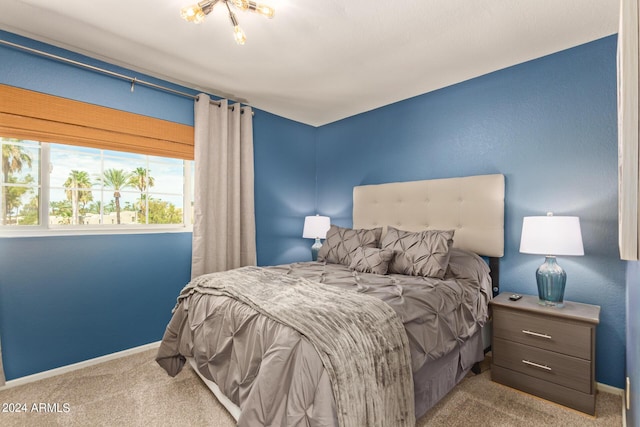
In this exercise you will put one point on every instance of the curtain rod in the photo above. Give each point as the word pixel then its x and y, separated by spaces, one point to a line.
pixel 133 80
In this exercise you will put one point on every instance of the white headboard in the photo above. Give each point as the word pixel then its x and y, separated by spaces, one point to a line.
pixel 473 206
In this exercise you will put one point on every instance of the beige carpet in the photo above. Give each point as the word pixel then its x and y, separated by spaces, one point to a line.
pixel 135 391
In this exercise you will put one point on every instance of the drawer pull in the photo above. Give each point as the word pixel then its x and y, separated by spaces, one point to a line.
pixel 536 365
pixel 535 334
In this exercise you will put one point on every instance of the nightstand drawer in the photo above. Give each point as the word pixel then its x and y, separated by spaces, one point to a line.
pixel 565 396
pixel 543 332
pixel 567 371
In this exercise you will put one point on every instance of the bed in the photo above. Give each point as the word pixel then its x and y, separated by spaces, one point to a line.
pixel 382 355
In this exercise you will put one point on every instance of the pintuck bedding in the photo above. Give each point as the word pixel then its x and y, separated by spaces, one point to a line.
pixel 286 360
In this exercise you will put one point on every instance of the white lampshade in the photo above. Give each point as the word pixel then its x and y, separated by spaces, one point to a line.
pixel 316 227
pixel 551 235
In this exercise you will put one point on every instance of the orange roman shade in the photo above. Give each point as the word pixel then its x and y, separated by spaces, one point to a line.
pixel 26 114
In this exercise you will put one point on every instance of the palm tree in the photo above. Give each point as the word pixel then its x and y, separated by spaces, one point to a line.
pixel 73 184
pixel 141 180
pixel 13 198
pixel 116 179
pixel 13 160
pixel 95 207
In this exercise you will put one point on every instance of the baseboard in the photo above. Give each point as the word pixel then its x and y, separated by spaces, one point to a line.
pixel 609 389
pixel 73 367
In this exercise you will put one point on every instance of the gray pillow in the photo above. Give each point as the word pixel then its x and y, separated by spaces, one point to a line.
pixel 371 260
pixel 423 253
pixel 341 243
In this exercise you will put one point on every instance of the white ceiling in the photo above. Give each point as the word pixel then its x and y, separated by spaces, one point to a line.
pixel 317 61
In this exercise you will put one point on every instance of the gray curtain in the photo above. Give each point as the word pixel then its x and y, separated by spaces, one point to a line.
pixel 224 235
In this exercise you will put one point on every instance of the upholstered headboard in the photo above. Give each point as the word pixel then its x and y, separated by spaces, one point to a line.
pixel 473 206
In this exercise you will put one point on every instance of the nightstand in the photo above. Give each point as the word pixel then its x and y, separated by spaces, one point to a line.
pixel 546 351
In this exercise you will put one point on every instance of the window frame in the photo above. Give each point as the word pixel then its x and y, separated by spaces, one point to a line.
pixel 45 229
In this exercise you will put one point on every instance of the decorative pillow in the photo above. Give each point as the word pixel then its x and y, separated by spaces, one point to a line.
pixel 424 253
pixel 341 243
pixel 371 260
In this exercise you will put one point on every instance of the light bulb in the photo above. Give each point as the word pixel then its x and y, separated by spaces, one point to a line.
pixel 239 35
pixel 199 17
pixel 192 13
pixel 241 4
pixel 262 9
pixel 265 10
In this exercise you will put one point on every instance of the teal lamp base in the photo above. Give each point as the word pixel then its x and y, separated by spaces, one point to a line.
pixel 551 280
pixel 315 248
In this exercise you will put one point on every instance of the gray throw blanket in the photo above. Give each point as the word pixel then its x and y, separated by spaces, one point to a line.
pixel 359 338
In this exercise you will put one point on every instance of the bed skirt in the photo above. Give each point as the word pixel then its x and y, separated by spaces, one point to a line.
pixel 231 407
pixel 431 383
pixel 436 378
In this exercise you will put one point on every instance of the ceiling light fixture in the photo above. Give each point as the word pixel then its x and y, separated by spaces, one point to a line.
pixel 197 12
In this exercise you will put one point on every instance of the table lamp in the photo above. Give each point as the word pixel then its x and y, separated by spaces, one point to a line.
pixel 316 227
pixel 550 236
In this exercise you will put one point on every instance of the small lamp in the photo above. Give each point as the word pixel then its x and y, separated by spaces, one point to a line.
pixel 316 227
pixel 550 236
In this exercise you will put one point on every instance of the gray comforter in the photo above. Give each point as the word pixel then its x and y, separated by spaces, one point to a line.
pixel 273 372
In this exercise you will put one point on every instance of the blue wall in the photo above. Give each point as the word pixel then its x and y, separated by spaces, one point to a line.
pixel 28 71
pixel 549 126
pixel 284 188
pixel 68 299
pixel 633 340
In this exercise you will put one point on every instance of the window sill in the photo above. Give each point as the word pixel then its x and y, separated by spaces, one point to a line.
pixel 69 231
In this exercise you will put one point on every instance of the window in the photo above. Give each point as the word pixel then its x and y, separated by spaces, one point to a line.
pixel 20 182
pixel 50 186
